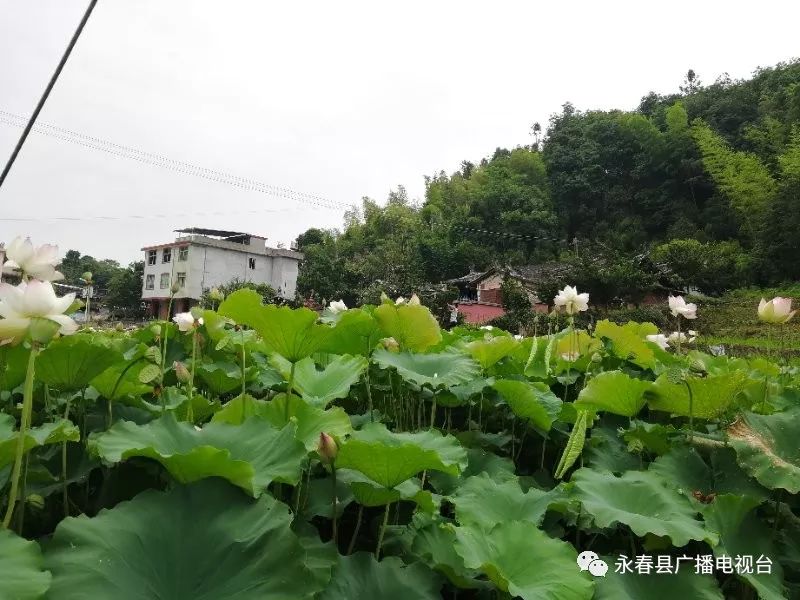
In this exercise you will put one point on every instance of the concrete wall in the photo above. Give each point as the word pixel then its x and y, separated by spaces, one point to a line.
pixel 208 266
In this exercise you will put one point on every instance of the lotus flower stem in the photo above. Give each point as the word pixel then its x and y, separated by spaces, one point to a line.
pixel 333 503
pixel 190 409
pixel 382 532
pixel 244 357
pixel 691 410
pixel 64 467
pixel 433 411
pixel 25 420
pixel 353 538
pixel 289 392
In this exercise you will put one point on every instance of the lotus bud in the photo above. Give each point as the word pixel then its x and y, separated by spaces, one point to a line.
pixel 175 287
pixel 181 372
pixel 697 367
pixel 155 330
pixel 119 326
pixel 390 344
pixel 216 295
pixel 327 448
pixel 385 298
pixel 597 358
pixel 776 311
pixel 35 501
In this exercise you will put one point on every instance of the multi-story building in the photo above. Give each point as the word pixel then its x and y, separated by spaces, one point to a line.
pixel 200 259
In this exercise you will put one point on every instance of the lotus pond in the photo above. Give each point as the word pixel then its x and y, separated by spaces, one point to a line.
pixel 265 452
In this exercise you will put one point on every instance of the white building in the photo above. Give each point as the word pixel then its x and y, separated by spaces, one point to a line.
pixel 200 259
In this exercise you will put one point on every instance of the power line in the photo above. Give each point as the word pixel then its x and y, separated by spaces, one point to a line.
pixel 54 77
pixel 158 160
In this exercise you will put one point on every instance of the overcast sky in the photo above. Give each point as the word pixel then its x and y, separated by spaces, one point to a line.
pixel 331 99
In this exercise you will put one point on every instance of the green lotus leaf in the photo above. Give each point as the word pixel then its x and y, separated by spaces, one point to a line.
pixel 319 387
pixel 121 381
pixel 356 333
pixel 251 455
pixel 204 541
pixel 767 447
pixel 654 437
pixel 21 574
pixel 634 586
pixel 370 493
pixel 435 544
pixel 239 409
pixel 533 402
pixel 71 362
pixel 479 461
pixel 711 396
pixel 488 352
pixel 628 341
pixel 443 369
pixel 742 533
pixel 309 420
pixel 687 471
pixel 615 392
pixel 48 433
pixel 521 559
pixel 482 502
pixel 389 458
pixel 605 451
pixel 641 500
pixel 294 334
pixel 13 365
pixel 220 377
pixel 361 576
pixel 414 327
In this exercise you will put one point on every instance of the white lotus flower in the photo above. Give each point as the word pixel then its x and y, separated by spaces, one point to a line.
pixel 39 263
pixel 680 307
pixel 571 301
pixel 487 327
pixel 400 301
pixel 776 311
pixel 660 339
pixel 517 336
pixel 570 356
pixel 186 321
pixel 28 300
pixel 676 338
pixel 337 306
pixel 414 300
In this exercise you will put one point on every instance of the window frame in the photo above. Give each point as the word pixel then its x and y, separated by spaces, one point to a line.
pixel 251 263
pixel 180 279
pixel 152 257
pixel 161 284
pixel 183 253
pixel 166 255
pixel 150 281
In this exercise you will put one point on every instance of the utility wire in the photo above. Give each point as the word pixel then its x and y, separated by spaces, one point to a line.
pixel 157 160
pixel 47 91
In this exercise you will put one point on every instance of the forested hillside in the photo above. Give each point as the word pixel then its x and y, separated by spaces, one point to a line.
pixel 700 187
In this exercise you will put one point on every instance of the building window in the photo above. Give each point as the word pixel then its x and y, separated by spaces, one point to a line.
pixel 164 281
pixel 167 256
pixel 180 278
pixel 151 257
pixel 183 253
pixel 150 282
pixel 251 262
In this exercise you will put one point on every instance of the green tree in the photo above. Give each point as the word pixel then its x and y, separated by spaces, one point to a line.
pixel 125 290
